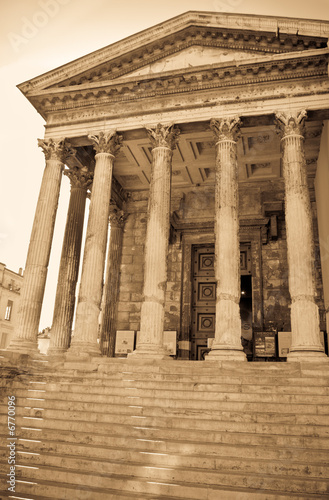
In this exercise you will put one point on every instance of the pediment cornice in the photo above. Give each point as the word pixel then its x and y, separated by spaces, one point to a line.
pixel 303 65
pixel 245 32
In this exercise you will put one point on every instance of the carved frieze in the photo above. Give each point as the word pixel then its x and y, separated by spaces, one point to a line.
pixel 186 81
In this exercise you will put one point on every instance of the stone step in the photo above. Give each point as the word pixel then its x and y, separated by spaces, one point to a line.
pixel 100 417
pixel 39 437
pixel 219 378
pixel 66 491
pixel 221 404
pixel 208 391
pixel 213 369
pixel 140 431
pixel 174 481
pixel 70 492
pixel 204 414
pixel 54 454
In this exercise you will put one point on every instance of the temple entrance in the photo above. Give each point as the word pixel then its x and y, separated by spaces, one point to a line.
pixel 204 300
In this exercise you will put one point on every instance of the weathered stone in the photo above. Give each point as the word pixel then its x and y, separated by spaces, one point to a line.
pixel 150 341
pixel 33 287
pixel 81 180
pixel 227 341
pixel 304 312
pixel 90 294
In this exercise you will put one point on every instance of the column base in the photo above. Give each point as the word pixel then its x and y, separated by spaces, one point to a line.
pixel 229 353
pixel 56 351
pixel 80 349
pixel 22 346
pixel 149 352
pixel 303 355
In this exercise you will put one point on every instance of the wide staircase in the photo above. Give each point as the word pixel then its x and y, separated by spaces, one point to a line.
pixel 122 429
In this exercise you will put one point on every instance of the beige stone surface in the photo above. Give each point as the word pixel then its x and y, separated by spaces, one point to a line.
pixel 90 294
pixel 150 342
pixel 227 341
pixel 304 311
pixel 81 180
pixel 25 338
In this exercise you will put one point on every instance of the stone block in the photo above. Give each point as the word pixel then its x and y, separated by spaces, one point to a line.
pixel 138 277
pixel 124 297
pixel 129 306
pixel 136 297
pixel 132 287
pixel 140 240
pixel 126 259
pixel 138 259
pixel 128 239
pixel 134 326
pixel 125 278
pixel 123 316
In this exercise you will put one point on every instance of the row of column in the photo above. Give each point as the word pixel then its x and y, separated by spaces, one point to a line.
pixel 227 344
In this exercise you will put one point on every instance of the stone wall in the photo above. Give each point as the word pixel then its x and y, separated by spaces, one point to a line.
pixel 272 269
pixel 132 263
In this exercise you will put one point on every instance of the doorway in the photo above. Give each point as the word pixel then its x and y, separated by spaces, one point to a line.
pixel 204 300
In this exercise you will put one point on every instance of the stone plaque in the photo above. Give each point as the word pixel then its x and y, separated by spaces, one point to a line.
pixel 124 342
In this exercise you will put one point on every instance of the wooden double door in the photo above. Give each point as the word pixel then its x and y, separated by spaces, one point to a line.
pixel 204 295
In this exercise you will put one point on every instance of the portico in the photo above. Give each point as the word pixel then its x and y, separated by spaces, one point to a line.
pixel 208 135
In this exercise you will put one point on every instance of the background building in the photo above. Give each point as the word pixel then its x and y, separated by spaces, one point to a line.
pixel 10 285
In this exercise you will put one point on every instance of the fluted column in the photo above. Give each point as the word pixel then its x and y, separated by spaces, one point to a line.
pixel 33 287
pixel 84 340
pixel 61 329
pixel 111 286
pixel 227 342
pixel 306 345
pixel 150 342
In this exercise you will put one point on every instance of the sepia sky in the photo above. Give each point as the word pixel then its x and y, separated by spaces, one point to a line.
pixel 39 35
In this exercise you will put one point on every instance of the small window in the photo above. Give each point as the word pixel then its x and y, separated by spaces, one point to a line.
pixel 8 310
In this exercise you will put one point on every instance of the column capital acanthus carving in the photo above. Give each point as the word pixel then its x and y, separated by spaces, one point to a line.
pixel 56 150
pixel 109 142
pixel 163 136
pixel 226 129
pixel 80 177
pixel 290 123
pixel 117 217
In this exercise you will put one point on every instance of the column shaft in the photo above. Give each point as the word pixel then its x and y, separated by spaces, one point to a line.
pixel 150 342
pixel 306 343
pixel 111 286
pixel 227 343
pixel 69 265
pixel 84 340
pixel 25 338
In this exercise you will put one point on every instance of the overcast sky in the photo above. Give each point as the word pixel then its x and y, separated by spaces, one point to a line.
pixel 39 35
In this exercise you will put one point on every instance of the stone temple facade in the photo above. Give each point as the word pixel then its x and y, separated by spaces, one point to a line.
pixel 203 142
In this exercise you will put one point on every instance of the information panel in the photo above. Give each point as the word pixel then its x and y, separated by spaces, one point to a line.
pixel 264 344
pixel 124 342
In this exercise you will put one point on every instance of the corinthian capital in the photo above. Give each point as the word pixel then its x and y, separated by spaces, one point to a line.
pixel 56 150
pixel 117 217
pixel 80 177
pixel 291 123
pixel 109 142
pixel 226 129
pixel 163 136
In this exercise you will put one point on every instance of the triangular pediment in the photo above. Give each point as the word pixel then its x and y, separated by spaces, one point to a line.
pixel 205 36
pixel 194 56
pixel 212 45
